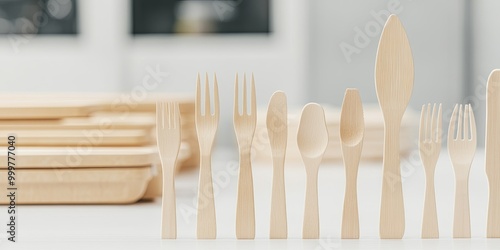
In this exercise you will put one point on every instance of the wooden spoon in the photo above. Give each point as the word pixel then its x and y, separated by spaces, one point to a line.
pixel 278 132
pixel 394 84
pixel 312 139
pixel 352 128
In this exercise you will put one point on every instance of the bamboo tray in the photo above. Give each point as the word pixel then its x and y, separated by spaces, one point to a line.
pixel 102 137
pixel 79 186
pixel 79 157
pixel 45 109
pixel 97 120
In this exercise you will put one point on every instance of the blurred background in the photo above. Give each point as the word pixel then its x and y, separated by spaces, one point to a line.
pixel 312 50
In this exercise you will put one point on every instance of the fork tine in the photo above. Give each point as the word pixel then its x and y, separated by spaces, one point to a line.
pixel 163 115
pixel 439 131
pixel 460 122
pixel 236 109
pixel 432 137
pixel 253 107
pixel 245 111
pixel 466 122
pixel 472 124
pixel 216 97
pixel 453 121
pixel 207 96
pixel 421 130
pixel 169 115
pixel 177 116
pixel 428 133
pixel 158 116
pixel 198 97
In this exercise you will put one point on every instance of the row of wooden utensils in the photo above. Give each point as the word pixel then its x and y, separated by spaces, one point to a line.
pixel 394 83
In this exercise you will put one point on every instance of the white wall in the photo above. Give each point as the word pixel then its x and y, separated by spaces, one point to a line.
pixel 486 54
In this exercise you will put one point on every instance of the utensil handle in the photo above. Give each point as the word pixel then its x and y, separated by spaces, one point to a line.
pixel 245 211
pixel 350 216
pixel 493 230
pixel 310 229
pixel 392 214
pixel 278 224
pixel 430 223
pixel 206 227
pixel 461 222
pixel 168 215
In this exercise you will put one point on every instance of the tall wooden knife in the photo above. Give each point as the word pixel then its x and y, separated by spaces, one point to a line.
pixel 394 84
pixel 492 152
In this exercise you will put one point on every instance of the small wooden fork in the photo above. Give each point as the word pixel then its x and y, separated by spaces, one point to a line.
pixel 244 126
pixel 168 134
pixel 462 148
pixel 206 128
pixel 430 148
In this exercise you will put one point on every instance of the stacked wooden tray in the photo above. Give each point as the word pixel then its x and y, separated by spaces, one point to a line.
pixel 373 139
pixel 88 149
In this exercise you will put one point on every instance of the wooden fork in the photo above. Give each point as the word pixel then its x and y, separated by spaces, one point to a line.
pixel 206 128
pixel 244 126
pixel 430 148
pixel 462 148
pixel 168 134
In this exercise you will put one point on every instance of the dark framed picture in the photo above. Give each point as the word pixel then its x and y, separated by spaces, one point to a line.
pixel 204 17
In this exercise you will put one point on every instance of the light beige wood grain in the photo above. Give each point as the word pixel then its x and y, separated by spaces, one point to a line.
pixel 83 156
pixel 394 84
pixel 168 136
pixel 24 108
pixel 492 148
pixel 115 102
pixel 206 127
pixel 430 147
pixel 461 148
pixel 277 130
pixel 244 126
pixel 79 185
pixel 352 129
pixel 95 138
pixel 312 140
pixel 80 123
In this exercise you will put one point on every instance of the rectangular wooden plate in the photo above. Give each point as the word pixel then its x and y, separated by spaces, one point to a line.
pixel 71 137
pixel 79 186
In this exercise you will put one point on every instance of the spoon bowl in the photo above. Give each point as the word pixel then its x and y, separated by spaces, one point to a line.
pixel 312 136
pixel 352 125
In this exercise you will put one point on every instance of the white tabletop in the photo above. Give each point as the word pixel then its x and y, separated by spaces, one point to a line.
pixel 137 226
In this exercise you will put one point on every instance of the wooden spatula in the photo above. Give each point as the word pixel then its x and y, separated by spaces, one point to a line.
pixel 394 84
pixel 352 129
pixel 492 152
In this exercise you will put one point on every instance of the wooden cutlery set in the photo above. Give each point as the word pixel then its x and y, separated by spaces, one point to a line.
pixel 394 82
